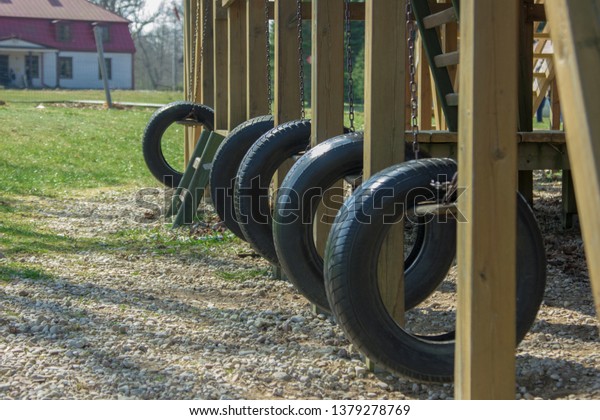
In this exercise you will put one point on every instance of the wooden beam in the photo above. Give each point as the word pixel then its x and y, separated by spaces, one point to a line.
pixel 206 61
pixel 327 93
pixel 385 73
pixel 220 62
pixel 228 3
pixel 236 69
pixel 576 37
pixel 257 98
pixel 287 90
pixel 486 244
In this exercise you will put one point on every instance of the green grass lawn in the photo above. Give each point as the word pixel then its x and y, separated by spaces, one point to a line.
pixel 53 95
pixel 63 151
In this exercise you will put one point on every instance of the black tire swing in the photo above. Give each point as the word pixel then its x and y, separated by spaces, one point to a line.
pixel 230 154
pixel 252 202
pixel 161 120
pixel 296 206
pixel 351 279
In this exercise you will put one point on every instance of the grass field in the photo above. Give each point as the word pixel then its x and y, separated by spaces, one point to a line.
pixel 52 95
pixel 62 151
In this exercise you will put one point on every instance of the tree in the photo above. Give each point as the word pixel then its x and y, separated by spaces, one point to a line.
pixel 133 10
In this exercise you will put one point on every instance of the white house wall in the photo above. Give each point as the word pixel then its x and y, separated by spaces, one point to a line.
pixel 85 71
pixel 49 72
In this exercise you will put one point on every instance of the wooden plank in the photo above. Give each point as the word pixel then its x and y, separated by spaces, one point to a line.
pixel 287 90
pixel 526 107
pixel 576 36
pixel 207 65
pixel 555 111
pixel 425 90
pixel 486 244
pixel 385 74
pixel 228 3
pixel 440 18
pixel 187 55
pixel 327 95
pixel 257 98
pixel 220 61
pixel 236 69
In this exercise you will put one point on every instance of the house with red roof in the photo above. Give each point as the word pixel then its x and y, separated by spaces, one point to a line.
pixel 51 44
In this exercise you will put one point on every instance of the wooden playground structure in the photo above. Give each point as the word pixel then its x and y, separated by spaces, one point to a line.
pixel 495 145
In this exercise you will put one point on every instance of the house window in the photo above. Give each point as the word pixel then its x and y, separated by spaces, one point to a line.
pixel 65 67
pixel 32 66
pixel 105 30
pixel 108 62
pixel 63 32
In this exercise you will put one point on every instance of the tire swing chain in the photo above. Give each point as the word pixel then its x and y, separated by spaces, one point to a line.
pixel 191 116
pixel 349 65
pixel 300 57
pixel 268 56
pixel 411 30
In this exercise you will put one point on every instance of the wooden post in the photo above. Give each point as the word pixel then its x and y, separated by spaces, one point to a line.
pixel 236 70
pixel 525 84
pixel 287 90
pixel 189 11
pixel 576 36
pixel 424 88
pixel 327 94
pixel 206 62
pixel 102 64
pixel 220 62
pixel 486 333
pixel 257 97
pixel 385 74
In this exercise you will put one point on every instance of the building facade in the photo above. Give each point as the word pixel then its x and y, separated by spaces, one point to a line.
pixel 51 44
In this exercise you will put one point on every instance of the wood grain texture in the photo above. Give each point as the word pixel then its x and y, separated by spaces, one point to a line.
pixel 257 102
pixel 486 244
pixel 236 69
pixel 576 38
pixel 385 84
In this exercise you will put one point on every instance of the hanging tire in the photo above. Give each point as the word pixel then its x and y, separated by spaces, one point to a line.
pixel 298 199
pixel 160 121
pixel 251 195
pixel 226 164
pixel 351 278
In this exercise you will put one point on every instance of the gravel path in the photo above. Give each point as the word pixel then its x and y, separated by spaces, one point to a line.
pixel 106 322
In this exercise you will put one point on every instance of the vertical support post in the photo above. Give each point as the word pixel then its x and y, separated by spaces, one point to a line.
pixel 220 61
pixel 576 36
pixel 385 73
pixel 525 86
pixel 101 62
pixel 236 70
pixel 207 47
pixel 486 335
pixel 257 98
pixel 286 91
pixel 327 94
pixel 188 43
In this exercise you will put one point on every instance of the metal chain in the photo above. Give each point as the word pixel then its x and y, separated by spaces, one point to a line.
pixel 268 51
pixel 349 66
pixel 204 29
pixel 300 57
pixel 193 63
pixel 411 30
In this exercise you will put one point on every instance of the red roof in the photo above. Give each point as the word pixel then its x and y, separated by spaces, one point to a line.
pixel 57 9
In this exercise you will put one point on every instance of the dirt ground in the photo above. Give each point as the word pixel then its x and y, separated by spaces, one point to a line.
pixel 137 311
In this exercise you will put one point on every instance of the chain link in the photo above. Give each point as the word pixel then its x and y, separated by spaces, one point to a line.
pixel 349 66
pixel 194 42
pixel 268 54
pixel 204 28
pixel 411 30
pixel 300 57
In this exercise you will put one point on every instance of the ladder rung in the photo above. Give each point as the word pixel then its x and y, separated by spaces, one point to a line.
pixel 440 18
pixel 452 99
pixel 448 59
